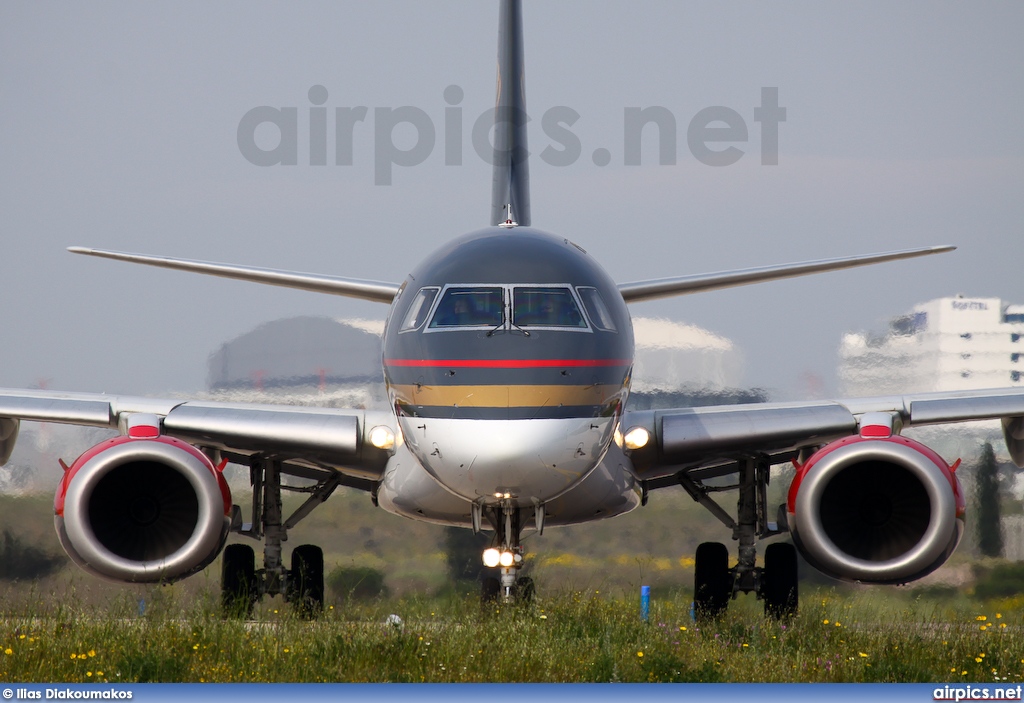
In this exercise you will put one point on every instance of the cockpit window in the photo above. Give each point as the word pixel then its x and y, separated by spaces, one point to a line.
pixel 419 309
pixel 470 307
pixel 545 307
pixel 598 311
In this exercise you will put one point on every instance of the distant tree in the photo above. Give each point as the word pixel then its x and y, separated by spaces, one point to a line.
pixel 463 551
pixel 20 561
pixel 990 534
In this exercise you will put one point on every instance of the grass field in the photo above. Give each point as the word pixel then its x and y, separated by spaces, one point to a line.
pixel 880 636
pixel 584 625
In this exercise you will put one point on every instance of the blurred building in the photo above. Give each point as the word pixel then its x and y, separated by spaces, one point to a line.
pixel 302 361
pixel 337 363
pixel 942 345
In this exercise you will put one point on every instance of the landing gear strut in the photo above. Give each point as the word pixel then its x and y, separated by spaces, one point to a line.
pixel 714 582
pixel 506 554
pixel 242 585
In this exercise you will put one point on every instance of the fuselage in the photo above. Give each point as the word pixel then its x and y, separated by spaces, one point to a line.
pixel 507 358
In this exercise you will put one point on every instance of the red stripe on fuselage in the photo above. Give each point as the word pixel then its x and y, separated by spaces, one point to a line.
pixel 507 363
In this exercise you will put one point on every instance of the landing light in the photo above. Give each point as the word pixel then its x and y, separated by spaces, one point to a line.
pixel 491 557
pixel 636 438
pixel 382 437
pixel 507 558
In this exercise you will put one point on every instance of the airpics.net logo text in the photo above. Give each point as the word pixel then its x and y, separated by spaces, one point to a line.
pixel 269 136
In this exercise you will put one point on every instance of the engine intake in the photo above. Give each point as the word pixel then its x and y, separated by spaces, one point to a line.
pixel 876 510
pixel 142 510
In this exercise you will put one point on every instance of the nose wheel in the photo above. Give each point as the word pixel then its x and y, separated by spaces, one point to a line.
pixel 506 555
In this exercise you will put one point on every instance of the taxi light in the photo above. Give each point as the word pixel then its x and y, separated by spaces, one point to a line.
pixel 382 437
pixel 507 558
pixel 491 557
pixel 636 438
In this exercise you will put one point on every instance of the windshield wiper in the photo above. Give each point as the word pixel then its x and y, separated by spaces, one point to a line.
pixel 501 324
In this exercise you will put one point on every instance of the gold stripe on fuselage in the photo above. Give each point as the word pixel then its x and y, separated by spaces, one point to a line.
pixel 513 396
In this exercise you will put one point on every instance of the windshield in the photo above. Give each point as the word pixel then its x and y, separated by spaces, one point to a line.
pixel 470 307
pixel 545 307
pixel 419 308
pixel 596 308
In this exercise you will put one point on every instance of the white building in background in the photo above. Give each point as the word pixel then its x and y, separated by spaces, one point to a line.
pixel 942 345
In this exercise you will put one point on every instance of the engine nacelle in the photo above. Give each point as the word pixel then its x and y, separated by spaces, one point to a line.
pixel 142 510
pixel 876 510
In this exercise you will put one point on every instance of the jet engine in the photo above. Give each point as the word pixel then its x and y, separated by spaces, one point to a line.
pixel 142 510
pixel 876 510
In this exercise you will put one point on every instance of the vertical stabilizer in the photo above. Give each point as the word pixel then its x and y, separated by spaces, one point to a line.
pixel 511 166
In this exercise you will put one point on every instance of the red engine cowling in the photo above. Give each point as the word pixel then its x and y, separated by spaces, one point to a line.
pixel 876 510
pixel 142 510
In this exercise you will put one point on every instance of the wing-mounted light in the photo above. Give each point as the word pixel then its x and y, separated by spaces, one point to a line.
pixel 636 438
pixel 382 437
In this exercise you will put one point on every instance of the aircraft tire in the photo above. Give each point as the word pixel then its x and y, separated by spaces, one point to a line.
pixel 712 587
pixel 780 588
pixel 238 588
pixel 525 590
pixel 306 589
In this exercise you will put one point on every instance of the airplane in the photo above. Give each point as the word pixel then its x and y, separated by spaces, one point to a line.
pixel 507 357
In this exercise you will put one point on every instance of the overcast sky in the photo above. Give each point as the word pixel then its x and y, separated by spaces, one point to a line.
pixel 119 129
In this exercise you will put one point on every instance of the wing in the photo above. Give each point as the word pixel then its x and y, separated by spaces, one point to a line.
pixel 704 442
pixel 682 285
pixel 309 442
pixel 375 291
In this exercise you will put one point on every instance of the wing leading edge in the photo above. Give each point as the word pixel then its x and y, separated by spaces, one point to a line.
pixel 682 285
pixel 375 291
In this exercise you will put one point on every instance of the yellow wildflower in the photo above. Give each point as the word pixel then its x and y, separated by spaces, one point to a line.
pixel 639 654
pixel 862 654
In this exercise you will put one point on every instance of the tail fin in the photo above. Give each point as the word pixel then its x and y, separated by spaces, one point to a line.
pixel 510 194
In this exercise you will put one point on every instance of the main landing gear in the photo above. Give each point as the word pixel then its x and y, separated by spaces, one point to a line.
pixel 302 585
pixel 715 583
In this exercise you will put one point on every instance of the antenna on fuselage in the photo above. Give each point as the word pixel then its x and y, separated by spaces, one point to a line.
pixel 511 187
pixel 510 221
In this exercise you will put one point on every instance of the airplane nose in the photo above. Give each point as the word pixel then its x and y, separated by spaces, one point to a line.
pixel 475 458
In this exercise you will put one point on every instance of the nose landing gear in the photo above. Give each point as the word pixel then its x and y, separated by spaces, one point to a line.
pixel 507 555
